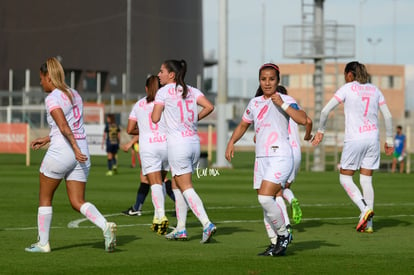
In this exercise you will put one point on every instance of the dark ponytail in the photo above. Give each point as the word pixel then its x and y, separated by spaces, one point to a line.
pixel 180 69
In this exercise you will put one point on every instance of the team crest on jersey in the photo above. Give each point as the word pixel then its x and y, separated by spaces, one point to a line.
pixel 248 111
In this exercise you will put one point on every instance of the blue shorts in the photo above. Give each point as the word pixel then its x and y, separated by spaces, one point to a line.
pixel 112 148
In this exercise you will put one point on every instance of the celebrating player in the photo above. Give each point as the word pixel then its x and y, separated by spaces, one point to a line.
pixel 66 158
pixel 361 149
pixel 179 103
pixel 270 113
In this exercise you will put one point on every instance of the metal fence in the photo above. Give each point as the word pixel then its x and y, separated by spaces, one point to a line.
pixel 28 107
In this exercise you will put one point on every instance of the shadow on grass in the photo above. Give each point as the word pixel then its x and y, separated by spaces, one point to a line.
pixel 309 245
pixel 120 241
pixel 303 225
pixel 383 223
pixel 221 230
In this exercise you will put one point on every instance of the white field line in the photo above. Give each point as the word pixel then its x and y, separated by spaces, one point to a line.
pixel 76 223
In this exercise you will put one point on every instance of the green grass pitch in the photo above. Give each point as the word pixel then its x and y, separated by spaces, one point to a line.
pixel 325 242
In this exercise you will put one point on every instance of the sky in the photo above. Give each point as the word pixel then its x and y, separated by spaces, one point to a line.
pixel 388 23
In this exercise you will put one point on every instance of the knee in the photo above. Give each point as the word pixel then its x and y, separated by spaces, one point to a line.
pixel 265 201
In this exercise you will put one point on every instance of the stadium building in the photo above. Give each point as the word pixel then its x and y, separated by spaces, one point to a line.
pixel 92 36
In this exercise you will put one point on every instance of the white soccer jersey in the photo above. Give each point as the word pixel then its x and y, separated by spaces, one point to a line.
pixel 73 113
pixel 181 115
pixel 361 104
pixel 271 126
pixel 294 135
pixel 150 134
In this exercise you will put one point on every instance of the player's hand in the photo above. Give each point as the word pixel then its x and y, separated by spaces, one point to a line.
pixel 317 139
pixel 229 152
pixel 388 150
pixel 125 148
pixel 309 137
pixel 39 143
pixel 276 99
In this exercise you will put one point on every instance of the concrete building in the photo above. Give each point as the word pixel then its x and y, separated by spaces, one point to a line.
pixel 298 79
pixel 91 36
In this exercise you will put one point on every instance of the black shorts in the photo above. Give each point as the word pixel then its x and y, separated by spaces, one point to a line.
pixel 112 148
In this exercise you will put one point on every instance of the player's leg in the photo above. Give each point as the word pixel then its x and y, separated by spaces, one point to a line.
pixel 181 209
pixel 47 189
pixel 158 201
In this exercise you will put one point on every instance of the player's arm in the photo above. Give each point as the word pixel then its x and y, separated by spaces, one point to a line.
pixel 156 112
pixel 299 116
pixel 39 142
pixel 308 129
pixel 128 145
pixel 389 143
pixel 323 119
pixel 207 107
pixel 62 123
pixel 132 127
pixel 237 134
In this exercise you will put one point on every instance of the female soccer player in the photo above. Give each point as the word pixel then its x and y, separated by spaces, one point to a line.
pixel 294 140
pixel 179 103
pixel 270 113
pixel 361 149
pixel 153 150
pixel 66 158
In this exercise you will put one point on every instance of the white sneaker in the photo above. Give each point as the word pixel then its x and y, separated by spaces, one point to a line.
pixel 36 247
pixel 110 236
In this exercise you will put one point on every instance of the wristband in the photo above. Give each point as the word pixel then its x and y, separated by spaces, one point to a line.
pixel 285 106
pixel 390 142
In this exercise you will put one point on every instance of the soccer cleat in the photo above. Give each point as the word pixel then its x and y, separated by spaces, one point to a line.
pixel 364 219
pixel 115 169
pixel 368 230
pixel 131 212
pixel 177 235
pixel 109 173
pixel 268 251
pixel 163 226
pixel 296 211
pixel 155 224
pixel 36 247
pixel 290 231
pixel 208 233
pixel 110 236
pixel 281 245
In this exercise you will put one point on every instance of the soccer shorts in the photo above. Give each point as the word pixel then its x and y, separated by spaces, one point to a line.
pixel 183 158
pixel 273 169
pixel 297 158
pixel 154 160
pixel 60 162
pixel 112 148
pixel 361 154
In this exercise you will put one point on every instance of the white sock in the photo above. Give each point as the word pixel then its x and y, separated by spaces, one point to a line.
pixel 89 211
pixel 196 205
pixel 274 214
pixel 367 190
pixel 368 193
pixel 181 209
pixel 269 229
pixel 281 203
pixel 353 192
pixel 44 219
pixel 288 195
pixel 158 200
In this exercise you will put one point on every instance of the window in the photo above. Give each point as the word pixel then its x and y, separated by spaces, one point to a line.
pixel 307 81
pixel 285 80
pixel 391 81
